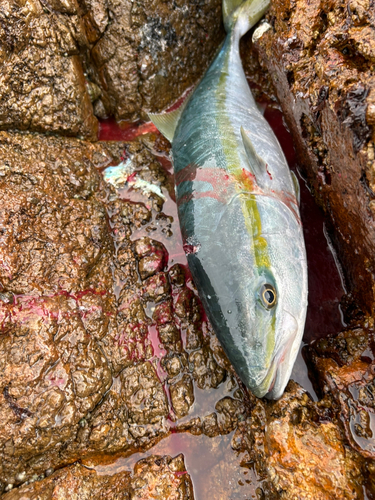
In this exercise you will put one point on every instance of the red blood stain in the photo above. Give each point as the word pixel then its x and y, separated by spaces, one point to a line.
pixel 220 186
pixel 189 249
pixel 158 349
pixel 131 177
pixel 26 307
pixel 110 130
pixel 269 173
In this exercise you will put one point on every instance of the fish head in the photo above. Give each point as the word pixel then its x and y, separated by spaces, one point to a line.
pixel 273 304
pixel 277 329
pixel 266 332
pixel 270 336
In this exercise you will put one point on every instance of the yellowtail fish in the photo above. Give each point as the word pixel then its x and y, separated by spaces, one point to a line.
pixel 239 215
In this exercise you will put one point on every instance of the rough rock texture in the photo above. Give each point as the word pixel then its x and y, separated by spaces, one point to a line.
pixel 345 367
pixel 320 56
pixel 103 343
pixel 159 478
pixel 299 450
pixel 145 54
pixel 57 57
pixel 42 85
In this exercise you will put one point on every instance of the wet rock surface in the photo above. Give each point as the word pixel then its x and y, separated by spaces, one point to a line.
pixel 160 478
pixel 139 42
pixel 65 62
pixel 299 449
pixel 323 74
pixel 104 345
pixel 345 367
pixel 106 355
pixel 42 82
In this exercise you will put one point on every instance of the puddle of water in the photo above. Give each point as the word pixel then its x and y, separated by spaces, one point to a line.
pixel 211 463
pixel 205 400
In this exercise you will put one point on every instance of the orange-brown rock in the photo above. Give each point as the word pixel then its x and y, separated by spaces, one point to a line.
pixel 345 367
pixel 146 54
pixel 128 58
pixel 300 450
pixel 96 357
pixel 157 478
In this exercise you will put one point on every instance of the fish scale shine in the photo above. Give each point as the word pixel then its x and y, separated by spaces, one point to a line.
pixel 239 217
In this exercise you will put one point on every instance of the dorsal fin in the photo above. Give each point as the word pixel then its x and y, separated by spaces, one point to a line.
pixel 296 187
pixel 167 121
pixel 257 165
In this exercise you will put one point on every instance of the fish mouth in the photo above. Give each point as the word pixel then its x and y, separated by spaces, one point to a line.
pixel 276 375
pixel 273 384
pixel 265 387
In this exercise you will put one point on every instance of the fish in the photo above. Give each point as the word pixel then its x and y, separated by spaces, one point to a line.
pixel 238 208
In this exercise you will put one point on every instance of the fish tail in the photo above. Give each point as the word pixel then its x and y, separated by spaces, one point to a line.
pixel 241 15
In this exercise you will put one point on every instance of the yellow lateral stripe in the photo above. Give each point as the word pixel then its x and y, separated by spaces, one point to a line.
pixel 243 179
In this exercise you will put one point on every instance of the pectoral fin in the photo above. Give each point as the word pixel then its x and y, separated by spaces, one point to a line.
pixel 167 122
pixel 257 165
pixel 296 187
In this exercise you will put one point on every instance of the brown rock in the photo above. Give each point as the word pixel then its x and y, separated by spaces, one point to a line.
pixel 42 82
pixel 177 275
pixel 299 448
pixel 56 251
pixel 346 370
pixel 82 367
pixel 206 371
pixel 230 411
pixel 157 287
pixel 162 478
pixel 52 374
pixel 152 257
pixel 146 54
pixel 182 395
pixel 126 58
pixel 143 394
pixel 174 363
pixel 210 426
pixel 53 230
pixel 114 57
pixel 323 74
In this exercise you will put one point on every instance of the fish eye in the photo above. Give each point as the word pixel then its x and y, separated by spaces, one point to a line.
pixel 268 296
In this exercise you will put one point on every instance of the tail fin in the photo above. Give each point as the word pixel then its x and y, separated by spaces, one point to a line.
pixel 243 14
